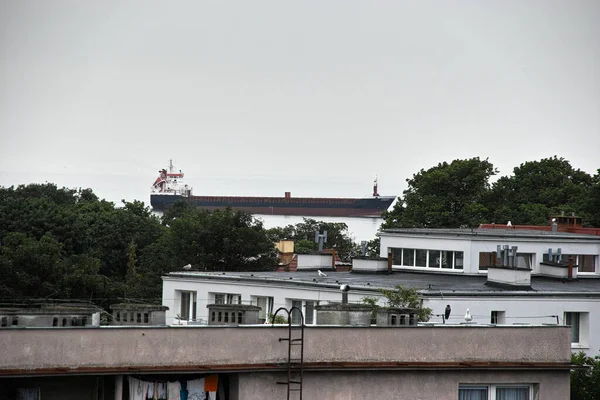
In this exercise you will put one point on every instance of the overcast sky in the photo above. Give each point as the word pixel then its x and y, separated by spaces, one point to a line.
pixel 313 97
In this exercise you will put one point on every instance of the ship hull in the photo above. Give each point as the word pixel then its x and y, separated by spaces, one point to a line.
pixel 324 207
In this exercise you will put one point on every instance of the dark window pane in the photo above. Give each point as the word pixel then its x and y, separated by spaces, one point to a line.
pixel 587 263
pixel 447 259
pixel 397 256
pixel 458 260
pixel 434 259
pixel 421 258
pixel 408 257
pixel 512 393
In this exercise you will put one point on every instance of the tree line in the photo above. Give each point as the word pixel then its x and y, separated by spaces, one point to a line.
pixel 461 194
pixel 60 243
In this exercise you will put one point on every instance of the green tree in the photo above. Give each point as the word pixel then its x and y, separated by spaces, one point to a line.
pixel 585 382
pixel 539 189
pixel 401 297
pixel 444 196
pixel 220 240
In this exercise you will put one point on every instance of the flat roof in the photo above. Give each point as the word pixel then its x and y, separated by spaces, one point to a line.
pixel 490 233
pixel 429 283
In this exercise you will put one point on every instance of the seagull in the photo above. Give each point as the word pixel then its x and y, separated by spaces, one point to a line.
pixel 468 317
pixel 187 267
pixel 321 273
pixel 447 311
pixel 509 223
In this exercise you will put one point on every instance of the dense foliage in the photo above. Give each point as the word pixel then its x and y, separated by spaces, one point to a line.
pixel 459 195
pixel 585 382
pixel 401 297
pixel 58 243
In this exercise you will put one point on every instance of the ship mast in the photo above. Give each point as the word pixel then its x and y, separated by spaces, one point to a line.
pixel 375 193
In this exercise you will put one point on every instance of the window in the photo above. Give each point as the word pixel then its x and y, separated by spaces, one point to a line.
pixel 54 321
pixel 420 258
pixel 585 262
pixel 139 318
pixel 572 319
pixel 446 259
pixel 266 307
pixel 118 316
pixel 4 321
pixel 498 317
pixel 146 318
pixel 308 309
pixel 495 392
pixel 188 306
pixel 15 321
pixel 228 298
pixel 486 259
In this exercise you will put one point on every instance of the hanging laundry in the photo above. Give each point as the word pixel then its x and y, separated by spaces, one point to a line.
pixel 195 389
pixel 210 383
pixel 150 392
pixel 173 390
pixel 212 395
pixel 137 389
pixel 160 392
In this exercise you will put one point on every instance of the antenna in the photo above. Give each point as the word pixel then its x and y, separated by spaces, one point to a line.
pixel 320 238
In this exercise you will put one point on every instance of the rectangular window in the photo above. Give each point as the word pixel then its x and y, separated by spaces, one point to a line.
pixel 473 393
pixel 266 305
pixel 487 259
pixel 512 393
pixel 308 312
pixel 408 257
pixel 447 259
pixel 435 259
pixel 396 256
pixel 572 319
pixel 184 312
pixel 498 317
pixel 228 298
pixel 495 392
pixel 458 260
pixel 524 260
pixel 296 318
pixel 587 263
pixel 421 258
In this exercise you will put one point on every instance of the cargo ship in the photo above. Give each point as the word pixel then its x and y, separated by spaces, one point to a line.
pixel 170 188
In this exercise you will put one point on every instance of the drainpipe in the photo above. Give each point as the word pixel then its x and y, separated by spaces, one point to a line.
pixel 571 267
pixel 389 260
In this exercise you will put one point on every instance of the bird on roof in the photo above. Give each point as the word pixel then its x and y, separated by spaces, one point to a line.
pixel 468 316
pixel 187 267
pixel 447 311
pixel 509 223
pixel 321 273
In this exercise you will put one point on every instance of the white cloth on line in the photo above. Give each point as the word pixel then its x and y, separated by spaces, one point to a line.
pixel 195 389
pixel 137 389
pixel 173 390
pixel 212 395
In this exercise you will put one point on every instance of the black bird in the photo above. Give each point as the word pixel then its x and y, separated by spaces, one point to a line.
pixel 447 311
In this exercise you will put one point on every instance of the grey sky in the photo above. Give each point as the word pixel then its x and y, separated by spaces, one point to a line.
pixel 256 98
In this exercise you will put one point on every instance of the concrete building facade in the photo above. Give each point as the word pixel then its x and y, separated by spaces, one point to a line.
pixel 428 362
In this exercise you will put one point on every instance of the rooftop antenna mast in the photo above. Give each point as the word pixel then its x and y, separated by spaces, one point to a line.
pixel 320 238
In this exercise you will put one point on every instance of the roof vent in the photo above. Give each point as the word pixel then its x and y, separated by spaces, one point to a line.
pixel 508 274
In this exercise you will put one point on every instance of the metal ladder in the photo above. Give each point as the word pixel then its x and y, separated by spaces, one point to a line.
pixel 295 361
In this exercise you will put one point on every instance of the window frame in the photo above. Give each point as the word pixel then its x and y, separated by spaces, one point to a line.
pixel 493 387
pixel 429 259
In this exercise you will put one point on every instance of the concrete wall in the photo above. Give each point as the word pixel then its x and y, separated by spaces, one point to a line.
pixel 314 261
pixel 130 348
pixel 509 276
pixel 372 265
pixel 400 385
pixel 525 309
